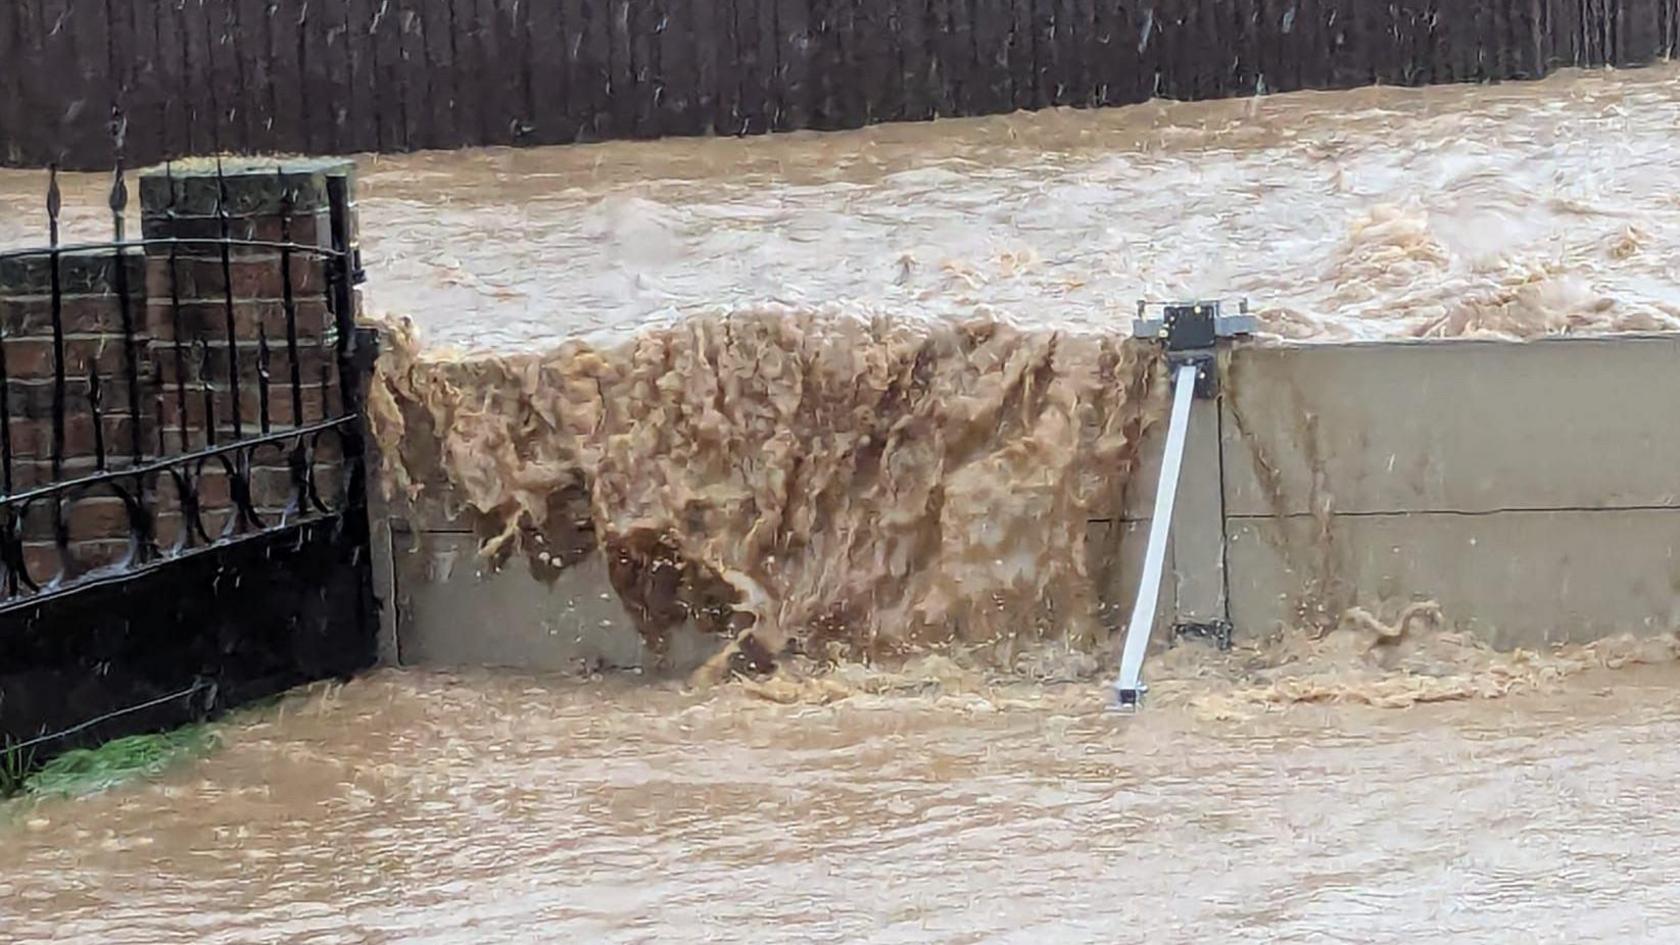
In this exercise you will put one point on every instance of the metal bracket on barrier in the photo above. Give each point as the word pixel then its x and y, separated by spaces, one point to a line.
pixel 1189 331
pixel 1218 631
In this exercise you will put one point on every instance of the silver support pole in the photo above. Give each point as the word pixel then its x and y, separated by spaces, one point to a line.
pixel 1129 687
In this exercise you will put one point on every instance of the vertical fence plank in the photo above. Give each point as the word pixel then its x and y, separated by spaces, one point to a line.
pixel 411 71
pixel 646 19
pixel 282 41
pixel 726 104
pixel 679 105
pixel 991 54
pixel 12 119
pixel 232 114
pixel 1023 83
pixel 956 57
pixel 795 55
pixel 1343 47
pixel 500 89
pixel 851 29
pixel 385 38
pixel 197 80
pixel 942 89
pixel 437 27
pixel 1244 76
pixel 824 86
pixel 545 64
pixel 323 67
pixel 124 56
pixel 585 68
pixel 873 59
pixel 467 55
pixel 1047 66
pixel 1083 40
pixel 1412 41
pixel 1064 45
pixel 622 75
pixel 752 113
pixel 81 52
pixel 1639 32
pixel 247 51
pixel 914 63
pixel 1115 48
pixel 595 94
pixel 37 111
pixel 888 61
pixel 520 70
pixel 770 63
pixel 361 131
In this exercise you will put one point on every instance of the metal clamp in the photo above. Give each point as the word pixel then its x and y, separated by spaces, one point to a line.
pixel 1218 631
pixel 1190 330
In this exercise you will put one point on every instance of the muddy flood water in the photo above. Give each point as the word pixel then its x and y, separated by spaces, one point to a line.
pixel 430 808
pixel 1395 790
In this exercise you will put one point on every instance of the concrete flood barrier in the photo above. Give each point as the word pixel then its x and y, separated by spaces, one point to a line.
pixel 1529 488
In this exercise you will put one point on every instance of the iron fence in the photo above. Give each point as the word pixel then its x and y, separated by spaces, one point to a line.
pixel 170 424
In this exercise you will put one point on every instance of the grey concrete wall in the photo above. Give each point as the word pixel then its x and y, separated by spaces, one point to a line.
pixel 1533 489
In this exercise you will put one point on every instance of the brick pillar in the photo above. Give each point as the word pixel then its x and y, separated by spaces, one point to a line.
pixel 209 387
pixel 86 372
pixel 166 353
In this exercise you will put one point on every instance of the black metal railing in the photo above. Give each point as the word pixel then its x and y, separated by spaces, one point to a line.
pixel 170 436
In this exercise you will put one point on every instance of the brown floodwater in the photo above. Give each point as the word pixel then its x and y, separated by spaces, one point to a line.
pixel 1522 208
pixel 876 382
pixel 476 809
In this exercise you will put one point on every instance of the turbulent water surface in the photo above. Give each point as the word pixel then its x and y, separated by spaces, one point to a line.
pixel 856 396
pixel 495 809
pixel 1521 208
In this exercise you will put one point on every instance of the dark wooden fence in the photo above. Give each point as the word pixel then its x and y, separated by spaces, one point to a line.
pixel 338 76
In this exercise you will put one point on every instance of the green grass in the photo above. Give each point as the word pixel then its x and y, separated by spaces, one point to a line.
pixel 88 770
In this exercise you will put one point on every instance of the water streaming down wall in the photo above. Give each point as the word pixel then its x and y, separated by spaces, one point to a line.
pixel 986 490
pixel 196 76
pixel 799 482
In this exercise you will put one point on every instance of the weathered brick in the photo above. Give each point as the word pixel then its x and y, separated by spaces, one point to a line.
pixel 80 315
pixel 80 272
pixel 207 320
pixel 249 402
pixel 272 488
pixel 88 516
pixel 44 561
pixel 213 364
pixel 34 397
pixel 255 276
pixel 33 438
pixel 39 357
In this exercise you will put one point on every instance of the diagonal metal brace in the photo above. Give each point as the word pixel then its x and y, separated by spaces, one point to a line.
pixel 1189 332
